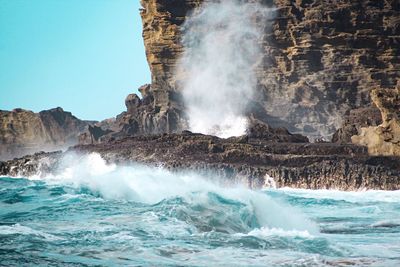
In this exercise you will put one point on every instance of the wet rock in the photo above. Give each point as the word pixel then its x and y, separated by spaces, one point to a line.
pixel 30 165
pixel 301 165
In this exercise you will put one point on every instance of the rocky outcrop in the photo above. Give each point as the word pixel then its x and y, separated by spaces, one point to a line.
pixel 143 116
pixel 328 56
pixel 321 59
pixel 320 62
pixel 261 131
pixel 354 121
pixel 248 160
pixel 383 139
pixel 23 131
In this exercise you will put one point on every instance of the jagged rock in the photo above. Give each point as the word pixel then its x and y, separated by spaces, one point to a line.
pixel 30 165
pixel 320 61
pixel 385 138
pixel 301 165
pixel 94 134
pixel 145 91
pixel 132 103
pixel 142 117
pixel 23 131
pixel 354 121
pixel 259 130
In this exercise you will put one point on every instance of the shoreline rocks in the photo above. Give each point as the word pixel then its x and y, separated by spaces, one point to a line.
pixel 248 160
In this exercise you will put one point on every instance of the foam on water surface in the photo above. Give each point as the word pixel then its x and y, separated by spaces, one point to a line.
pixel 98 214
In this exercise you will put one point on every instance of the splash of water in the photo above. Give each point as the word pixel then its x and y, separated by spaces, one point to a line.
pixel 151 185
pixel 102 214
pixel 222 49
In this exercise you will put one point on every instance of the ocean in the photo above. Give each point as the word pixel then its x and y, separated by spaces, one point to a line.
pixel 94 214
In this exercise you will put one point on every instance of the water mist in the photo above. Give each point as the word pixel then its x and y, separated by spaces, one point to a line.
pixel 222 49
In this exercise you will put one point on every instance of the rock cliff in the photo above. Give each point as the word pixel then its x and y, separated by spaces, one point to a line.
pixel 383 139
pixel 23 131
pixel 321 60
pixel 327 66
pixel 354 121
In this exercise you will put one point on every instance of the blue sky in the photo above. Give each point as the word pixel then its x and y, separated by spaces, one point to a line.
pixel 85 56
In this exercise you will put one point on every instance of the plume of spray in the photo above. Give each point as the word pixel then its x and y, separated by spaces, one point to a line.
pixel 221 51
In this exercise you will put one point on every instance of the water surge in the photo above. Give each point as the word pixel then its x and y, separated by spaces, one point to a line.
pixel 98 214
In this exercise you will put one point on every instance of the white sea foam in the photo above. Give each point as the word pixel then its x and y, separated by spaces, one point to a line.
pixel 266 232
pixel 242 224
pixel 152 185
pixel 269 182
pixel 24 230
pixel 349 196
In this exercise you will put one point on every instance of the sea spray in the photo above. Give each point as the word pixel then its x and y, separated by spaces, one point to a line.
pixel 97 214
pixel 151 185
pixel 221 51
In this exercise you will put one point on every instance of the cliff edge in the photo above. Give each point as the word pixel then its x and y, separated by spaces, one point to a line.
pixel 320 60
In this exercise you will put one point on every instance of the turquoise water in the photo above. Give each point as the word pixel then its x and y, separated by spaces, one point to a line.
pixel 98 215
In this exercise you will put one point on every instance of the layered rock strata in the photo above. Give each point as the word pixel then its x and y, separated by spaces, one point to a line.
pixel 354 121
pixel 23 131
pixel 383 139
pixel 321 59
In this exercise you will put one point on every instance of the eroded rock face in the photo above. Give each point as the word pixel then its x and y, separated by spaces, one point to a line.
pixel 354 121
pixel 23 131
pixel 162 20
pixel 385 138
pixel 142 117
pixel 328 55
pixel 321 59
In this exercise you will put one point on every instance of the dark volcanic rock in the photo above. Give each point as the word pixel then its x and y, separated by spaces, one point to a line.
pixel 259 130
pixel 354 121
pixel 40 163
pixel 322 61
pixel 302 165
pixel 23 131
